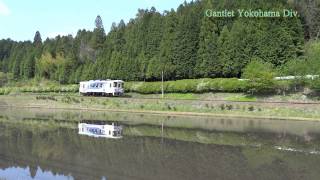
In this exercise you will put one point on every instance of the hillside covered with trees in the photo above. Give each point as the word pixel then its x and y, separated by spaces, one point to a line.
pixel 183 43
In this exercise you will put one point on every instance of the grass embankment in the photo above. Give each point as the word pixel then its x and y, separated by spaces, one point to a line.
pixel 168 106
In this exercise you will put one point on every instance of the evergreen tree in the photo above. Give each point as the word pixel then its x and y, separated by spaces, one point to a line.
pixel 234 54
pixel 29 67
pixel 166 47
pixel 223 52
pixel 207 62
pixel 37 41
pixel 186 42
pixel 99 35
pixel 98 22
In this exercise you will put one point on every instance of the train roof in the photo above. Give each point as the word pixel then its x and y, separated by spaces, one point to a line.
pixel 102 81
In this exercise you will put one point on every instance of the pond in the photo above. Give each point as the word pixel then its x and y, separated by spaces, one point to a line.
pixel 46 144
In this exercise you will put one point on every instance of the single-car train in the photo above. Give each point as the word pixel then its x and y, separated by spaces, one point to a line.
pixel 102 88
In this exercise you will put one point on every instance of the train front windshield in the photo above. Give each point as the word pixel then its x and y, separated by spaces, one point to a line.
pixel 117 133
pixel 117 84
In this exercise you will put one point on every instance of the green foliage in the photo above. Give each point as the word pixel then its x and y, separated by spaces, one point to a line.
pixel 303 67
pixel 5 91
pixel 295 67
pixel 313 58
pixel 315 85
pixel 181 86
pixel 39 88
pixel 207 64
pixel 57 68
pixel 260 76
pixel 188 86
pixel 5 78
pixel 227 85
pixel 285 86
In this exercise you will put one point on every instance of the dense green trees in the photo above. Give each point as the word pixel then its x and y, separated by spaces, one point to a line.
pixel 187 42
pixel 182 43
pixel 207 64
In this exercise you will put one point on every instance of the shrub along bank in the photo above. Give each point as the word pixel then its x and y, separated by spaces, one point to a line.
pixel 40 89
pixel 231 85
pixel 188 86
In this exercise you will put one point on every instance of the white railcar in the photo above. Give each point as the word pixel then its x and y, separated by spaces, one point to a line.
pixel 102 88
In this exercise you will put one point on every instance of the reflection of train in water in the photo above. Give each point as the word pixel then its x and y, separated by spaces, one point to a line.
pixel 102 87
pixel 96 130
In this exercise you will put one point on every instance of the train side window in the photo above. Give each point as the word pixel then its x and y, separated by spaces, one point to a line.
pixel 115 84
pixel 110 84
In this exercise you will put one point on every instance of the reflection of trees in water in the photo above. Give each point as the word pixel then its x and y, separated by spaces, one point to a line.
pixel 63 151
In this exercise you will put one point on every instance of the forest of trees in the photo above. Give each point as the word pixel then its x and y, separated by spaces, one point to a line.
pixel 182 43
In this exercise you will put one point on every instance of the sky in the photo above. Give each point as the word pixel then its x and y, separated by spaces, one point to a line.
pixel 20 19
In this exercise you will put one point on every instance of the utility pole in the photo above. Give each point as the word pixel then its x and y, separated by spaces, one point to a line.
pixel 162 90
pixel 162 131
pixel 59 79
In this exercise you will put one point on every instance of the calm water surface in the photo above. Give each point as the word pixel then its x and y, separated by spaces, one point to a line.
pixel 45 144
